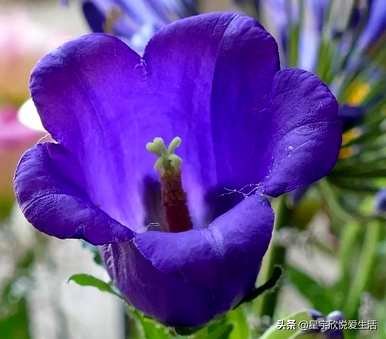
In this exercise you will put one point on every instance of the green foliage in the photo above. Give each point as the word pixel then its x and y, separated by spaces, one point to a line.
pixel 318 295
pixel 15 324
pixel 14 315
pixel 83 279
pixel 147 328
pixel 232 326
pixel 240 327
pixel 6 205
pixel 220 329
pixel 364 271
pixel 270 284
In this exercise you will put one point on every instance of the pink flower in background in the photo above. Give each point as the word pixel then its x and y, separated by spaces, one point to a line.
pixel 15 138
pixel 13 134
pixel 23 42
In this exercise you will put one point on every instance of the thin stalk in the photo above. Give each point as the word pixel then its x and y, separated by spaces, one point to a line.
pixel 331 200
pixel 350 235
pixel 364 269
pixel 276 256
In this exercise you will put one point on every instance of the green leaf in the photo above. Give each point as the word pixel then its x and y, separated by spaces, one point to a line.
pixel 184 331
pixel 83 279
pixel 150 328
pixel 154 330
pixel 293 46
pixel 268 285
pixel 324 68
pixel 365 267
pixel 220 329
pixel 349 237
pixel 278 333
pixel 240 325
pixel 15 325
pixel 222 332
pixel 333 204
pixel 314 292
pixel 6 204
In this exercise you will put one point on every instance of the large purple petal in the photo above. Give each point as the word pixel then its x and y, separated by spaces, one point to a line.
pixel 187 278
pixel 198 77
pixel 47 186
pixel 217 69
pixel 305 131
pixel 88 94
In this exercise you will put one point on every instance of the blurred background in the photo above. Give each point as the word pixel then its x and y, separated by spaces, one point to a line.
pixel 333 245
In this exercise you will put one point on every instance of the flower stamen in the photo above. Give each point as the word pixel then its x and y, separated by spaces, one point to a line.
pixel 173 196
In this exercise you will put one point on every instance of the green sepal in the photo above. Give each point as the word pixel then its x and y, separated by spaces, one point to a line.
pixel 269 284
pixel 83 279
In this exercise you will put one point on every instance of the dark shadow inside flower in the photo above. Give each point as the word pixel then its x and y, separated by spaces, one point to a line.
pixel 154 217
pixel 221 200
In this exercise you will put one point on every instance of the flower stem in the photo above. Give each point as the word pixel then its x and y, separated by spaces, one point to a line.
pixel 333 204
pixel 276 256
pixel 351 233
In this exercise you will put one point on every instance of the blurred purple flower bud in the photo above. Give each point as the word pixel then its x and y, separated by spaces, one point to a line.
pixel 296 195
pixel 319 8
pixel 380 201
pixel 376 24
pixel 315 314
pixel 328 325
pixel 135 22
pixel 351 115
pixel 334 332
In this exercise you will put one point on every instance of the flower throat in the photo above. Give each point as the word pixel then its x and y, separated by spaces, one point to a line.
pixel 173 196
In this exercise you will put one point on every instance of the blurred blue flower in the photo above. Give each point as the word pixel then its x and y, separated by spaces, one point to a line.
pixel 286 15
pixel 319 9
pixel 376 24
pixel 380 201
pixel 351 115
pixel 135 21
pixel 329 326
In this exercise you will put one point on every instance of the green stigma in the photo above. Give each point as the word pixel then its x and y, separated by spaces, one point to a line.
pixel 168 162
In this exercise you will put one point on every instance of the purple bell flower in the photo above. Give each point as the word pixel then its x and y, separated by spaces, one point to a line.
pixel 214 81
